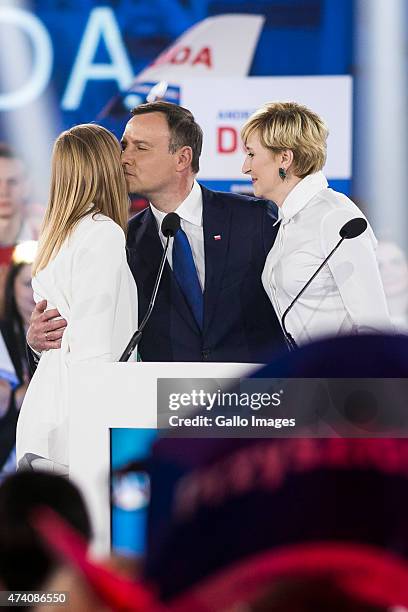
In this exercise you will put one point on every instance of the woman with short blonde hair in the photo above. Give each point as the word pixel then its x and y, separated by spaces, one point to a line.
pixel 285 146
pixel 287 125
pixel 81 270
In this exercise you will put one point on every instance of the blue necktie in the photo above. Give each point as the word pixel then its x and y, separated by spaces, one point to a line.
pixel 186 274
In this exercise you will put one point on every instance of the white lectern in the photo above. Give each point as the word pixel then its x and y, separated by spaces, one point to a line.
pixel 105 396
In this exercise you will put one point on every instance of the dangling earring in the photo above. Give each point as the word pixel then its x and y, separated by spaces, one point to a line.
pixel 282 173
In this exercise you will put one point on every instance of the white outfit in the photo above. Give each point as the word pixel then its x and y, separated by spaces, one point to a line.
pixel 190 212
pixel 347 296
pixel 91 285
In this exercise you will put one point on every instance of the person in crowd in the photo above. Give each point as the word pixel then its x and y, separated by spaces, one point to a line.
pixel 80 270
pixel 224 240
pixel 25 562
pixel 15 225
pixel 19 303
pixel 285 152
pixel 393 266
pixel 14 191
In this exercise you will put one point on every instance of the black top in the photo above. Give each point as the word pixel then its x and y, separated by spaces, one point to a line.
pixel 15 343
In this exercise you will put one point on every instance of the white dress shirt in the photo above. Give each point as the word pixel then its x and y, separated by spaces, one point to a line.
pixel 190 212
pixel 347 295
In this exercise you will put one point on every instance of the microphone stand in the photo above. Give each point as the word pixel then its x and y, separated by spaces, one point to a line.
pixel 288 337
pixel 135 339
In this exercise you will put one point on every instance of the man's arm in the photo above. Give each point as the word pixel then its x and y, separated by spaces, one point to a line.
pixel 46 328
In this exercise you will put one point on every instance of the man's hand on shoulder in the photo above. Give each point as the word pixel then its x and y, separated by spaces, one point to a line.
pixel 46 328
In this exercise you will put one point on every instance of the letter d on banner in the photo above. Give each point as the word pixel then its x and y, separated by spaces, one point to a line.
pixel 227 140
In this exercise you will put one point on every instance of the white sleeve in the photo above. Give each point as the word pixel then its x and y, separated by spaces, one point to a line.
pixel 96 274
pixel 355 270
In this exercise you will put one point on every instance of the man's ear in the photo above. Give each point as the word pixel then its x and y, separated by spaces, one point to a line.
pixel 184 158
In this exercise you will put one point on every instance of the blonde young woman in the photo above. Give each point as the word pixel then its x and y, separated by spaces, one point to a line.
pixel 285 153
pixel 81 270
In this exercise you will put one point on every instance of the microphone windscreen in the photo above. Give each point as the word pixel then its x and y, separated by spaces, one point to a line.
pixel 170 225
pixel 353 228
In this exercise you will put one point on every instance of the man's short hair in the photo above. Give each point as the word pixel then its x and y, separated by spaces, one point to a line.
pixel 184 131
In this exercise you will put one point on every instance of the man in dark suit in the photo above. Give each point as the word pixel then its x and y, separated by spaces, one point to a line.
pixel 226 239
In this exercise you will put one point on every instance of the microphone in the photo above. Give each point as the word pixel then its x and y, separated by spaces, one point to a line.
pixel 353 228
pixel 169 228
pixel 170 225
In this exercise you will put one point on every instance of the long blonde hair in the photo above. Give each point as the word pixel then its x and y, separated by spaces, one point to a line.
pixel 86 178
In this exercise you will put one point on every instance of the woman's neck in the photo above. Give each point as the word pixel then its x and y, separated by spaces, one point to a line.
pixel 287 186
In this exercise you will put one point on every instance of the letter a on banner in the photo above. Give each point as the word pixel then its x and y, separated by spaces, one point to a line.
pixel 102 25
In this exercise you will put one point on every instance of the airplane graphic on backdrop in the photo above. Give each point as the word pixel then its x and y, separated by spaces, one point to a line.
pixel 221 46
pixel 206 69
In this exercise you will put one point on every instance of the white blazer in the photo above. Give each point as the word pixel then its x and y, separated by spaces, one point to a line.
pixel 91 285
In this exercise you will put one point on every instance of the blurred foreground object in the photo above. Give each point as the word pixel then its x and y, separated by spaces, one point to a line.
pixel 219 502
pixel 25 563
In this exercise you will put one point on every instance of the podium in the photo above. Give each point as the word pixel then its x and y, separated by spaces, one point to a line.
pixel 119 395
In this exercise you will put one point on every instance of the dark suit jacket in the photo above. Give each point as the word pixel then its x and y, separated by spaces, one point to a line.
pixel 240 324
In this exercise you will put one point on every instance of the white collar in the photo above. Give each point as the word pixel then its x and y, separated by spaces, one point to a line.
pixel 301 194
pixel 191 209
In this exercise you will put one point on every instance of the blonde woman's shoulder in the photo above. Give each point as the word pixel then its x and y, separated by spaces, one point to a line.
pixel 96 221
pixel 99 227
